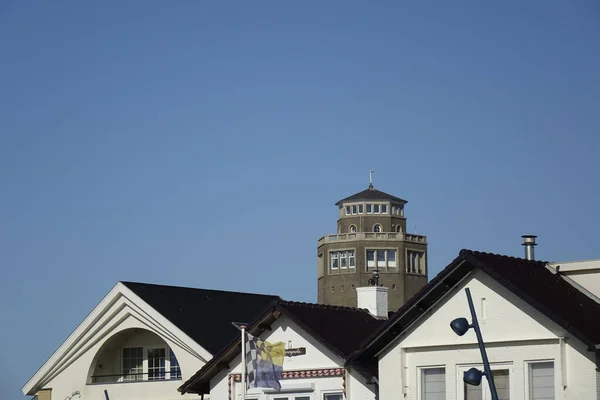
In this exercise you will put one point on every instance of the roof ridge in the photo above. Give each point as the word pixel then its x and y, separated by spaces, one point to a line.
pixel 465 252
pixel 323 306
pixel 198 288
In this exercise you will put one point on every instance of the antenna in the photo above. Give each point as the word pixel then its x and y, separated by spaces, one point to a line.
pixel 371 172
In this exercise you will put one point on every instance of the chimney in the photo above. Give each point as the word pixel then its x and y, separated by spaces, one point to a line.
pixel 373 297
pixel 529 243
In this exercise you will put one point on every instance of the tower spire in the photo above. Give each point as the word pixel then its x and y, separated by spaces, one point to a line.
pixel 371 171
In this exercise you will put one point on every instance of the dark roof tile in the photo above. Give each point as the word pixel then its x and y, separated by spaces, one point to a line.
pixel 205 315
pixel 371 194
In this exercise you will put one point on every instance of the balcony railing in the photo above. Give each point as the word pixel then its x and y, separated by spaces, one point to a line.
pixel 138 377
pixel 345 237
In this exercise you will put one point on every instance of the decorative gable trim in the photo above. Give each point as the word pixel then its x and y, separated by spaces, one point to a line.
pixel 119 305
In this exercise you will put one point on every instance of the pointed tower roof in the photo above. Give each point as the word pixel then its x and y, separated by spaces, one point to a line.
pixel 371 194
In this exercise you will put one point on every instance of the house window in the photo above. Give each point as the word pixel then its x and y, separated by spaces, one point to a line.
pixel 157 361
pixel 360 208
pixel 342 259
pixel 133 364
pixel 291 397
pixel 369 208
pixel 333 396
pixel 541 381
pixel 433 384
pixel 377 228
pixel 175 369
pixel 415 262
pixel 381 258
pixel 502 382
pixel 352 229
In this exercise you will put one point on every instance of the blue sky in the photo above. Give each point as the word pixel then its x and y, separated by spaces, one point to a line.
pixel 205 143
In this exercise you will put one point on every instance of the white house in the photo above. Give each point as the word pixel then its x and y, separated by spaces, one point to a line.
pixel 319 339
pixel 142 341
pixel 542 334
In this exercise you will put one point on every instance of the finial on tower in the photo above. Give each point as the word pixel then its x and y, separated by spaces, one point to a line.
pixel 371 171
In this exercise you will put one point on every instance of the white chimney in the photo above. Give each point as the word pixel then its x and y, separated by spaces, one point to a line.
pixel 374 299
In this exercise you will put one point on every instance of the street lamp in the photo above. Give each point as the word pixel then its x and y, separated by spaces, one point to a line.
pixel 460 326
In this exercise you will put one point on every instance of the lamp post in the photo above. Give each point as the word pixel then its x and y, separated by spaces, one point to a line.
pixel 460 326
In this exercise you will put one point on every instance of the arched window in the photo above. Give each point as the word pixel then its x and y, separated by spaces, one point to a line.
pixel 352 229
pixel 398 228
pixel 377 228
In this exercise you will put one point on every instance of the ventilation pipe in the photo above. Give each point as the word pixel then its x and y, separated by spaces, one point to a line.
pixel 529 243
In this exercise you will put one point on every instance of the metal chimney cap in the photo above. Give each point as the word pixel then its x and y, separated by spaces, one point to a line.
pixel 529 240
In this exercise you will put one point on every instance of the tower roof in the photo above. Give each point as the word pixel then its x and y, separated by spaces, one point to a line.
pixel 371 194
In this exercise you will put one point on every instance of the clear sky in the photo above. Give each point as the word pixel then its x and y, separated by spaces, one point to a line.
pixel 204 143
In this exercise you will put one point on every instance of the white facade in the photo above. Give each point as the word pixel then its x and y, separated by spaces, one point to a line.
pixel 531 356
pixel 327 379
pixel 91 361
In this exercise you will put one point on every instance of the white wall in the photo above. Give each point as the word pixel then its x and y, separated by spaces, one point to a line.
pixel 515 334
pixel 317 357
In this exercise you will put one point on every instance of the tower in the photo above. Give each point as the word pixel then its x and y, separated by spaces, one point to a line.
pixel 371 235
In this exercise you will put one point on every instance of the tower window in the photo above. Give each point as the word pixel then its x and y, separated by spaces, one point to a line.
pixel 376 208
pixel 342 259
pixel 398 228
pixel 369 208
pixel 384 208
pixel 347 210
pixel 352 229
pixel 377 228
pixel 360 208
pixel 381 258
pixel 415 262
pixel 354 210
pixel 334 260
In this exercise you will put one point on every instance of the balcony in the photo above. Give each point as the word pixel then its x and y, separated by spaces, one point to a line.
pixel 378 236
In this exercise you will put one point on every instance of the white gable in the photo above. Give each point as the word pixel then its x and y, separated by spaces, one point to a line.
pixel 502 316
pixel 324 370
pixel 516 335
pixel 121 314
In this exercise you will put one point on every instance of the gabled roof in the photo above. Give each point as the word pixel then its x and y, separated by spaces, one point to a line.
pixel 340 329
pixel 204 315
pixel 532 281
pixel 197 320
pixel 371 194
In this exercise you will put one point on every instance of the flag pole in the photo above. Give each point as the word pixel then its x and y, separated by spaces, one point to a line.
pixel 243 362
